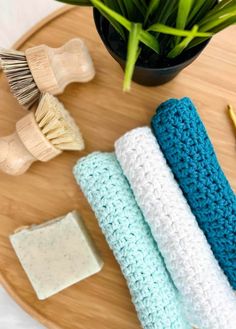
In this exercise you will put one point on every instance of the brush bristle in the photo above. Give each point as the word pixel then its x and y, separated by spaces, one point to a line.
pixel 23 87
pixel 57 125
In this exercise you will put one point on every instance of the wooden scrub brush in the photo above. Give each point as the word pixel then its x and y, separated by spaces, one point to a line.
pixel 39 136
pixel 42 69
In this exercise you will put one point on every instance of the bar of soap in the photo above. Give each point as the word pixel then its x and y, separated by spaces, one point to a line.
pixel 56 254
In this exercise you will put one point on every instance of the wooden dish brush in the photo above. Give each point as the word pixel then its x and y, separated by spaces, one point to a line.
pixel 43 69
pixel 39 136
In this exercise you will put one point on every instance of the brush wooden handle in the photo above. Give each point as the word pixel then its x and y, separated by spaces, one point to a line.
pixel 19 150
pixel 15 159
pixel 54 68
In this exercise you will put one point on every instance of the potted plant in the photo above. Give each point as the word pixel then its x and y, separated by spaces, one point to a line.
pixel 153 40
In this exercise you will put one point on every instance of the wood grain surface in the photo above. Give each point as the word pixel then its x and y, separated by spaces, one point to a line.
pixel 103 113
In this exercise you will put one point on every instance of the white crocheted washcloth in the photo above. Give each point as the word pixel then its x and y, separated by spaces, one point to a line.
pixel 204 288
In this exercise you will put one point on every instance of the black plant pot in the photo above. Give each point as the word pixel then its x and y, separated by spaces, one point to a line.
pixel 148 75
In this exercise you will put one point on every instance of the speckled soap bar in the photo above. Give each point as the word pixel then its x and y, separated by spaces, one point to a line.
pixel 56 254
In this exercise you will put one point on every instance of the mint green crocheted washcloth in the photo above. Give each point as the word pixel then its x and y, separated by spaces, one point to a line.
pixel 109 194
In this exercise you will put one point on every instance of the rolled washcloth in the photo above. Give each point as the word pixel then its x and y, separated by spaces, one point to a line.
pixel 190 154
pixel 109 194
pixel 204 289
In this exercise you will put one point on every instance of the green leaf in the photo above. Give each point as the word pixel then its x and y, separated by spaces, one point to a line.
pixel 206 5
pixel 197 5
pixel 145 37
pixel 223 6
pixel 119 18
pixel 122 7
pixel 219 27
pixel 183 12
pixel 216 29
pixel 195 42
pixel 178 49
pixel 219 11
pixel 132 51
pixel 161 28
pixel 150 41
pixel 144 3
pixel 130 9
pixel 141 5
pixel 115 24
pixel 219 18
pixel 165 11
pixel 222 26
pixel 184 8
pixel 153 5
pixel 113 5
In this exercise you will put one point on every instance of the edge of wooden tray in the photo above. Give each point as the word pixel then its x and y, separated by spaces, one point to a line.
pixel 38 26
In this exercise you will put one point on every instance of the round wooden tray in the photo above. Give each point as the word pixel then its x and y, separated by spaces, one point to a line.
pixel 104 113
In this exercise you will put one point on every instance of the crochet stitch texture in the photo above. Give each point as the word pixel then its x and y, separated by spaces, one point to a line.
pixel 109 194
pixel 190 154
pixel 204 288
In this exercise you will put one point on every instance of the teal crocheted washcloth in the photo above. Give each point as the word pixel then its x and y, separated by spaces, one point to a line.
pixel 108 192
pixel 190 154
